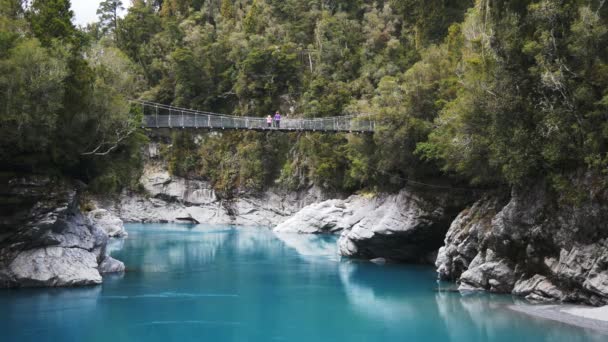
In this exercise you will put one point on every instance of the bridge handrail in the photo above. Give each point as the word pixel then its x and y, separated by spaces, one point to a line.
pixel 200 112
pixel 175 117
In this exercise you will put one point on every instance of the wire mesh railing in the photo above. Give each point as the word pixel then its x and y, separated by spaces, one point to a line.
pixel 164 116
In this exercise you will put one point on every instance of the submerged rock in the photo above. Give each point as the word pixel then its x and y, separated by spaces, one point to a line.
pixel 378 261
pixel 47 241
pixel 536 244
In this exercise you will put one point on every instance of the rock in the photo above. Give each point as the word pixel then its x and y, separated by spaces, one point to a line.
pixel 332 216
pixel 486 272
pixel 48 241
pixel 109 222
pixel 399 227
pixel 169 198
pixel 189 219
pixel 111 265
pixel 461 243
pixel 55 266
pixel 403 227
pixel 157 181
pixel 378 261
pixel 558 250
pixel 524 287
pixel 538 289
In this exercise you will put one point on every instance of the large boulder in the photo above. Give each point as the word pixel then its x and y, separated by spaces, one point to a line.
pixel 47 241
pixel 328 217
pixel 110 223
pixel 398 227
pixel 539 244
pixel 404 227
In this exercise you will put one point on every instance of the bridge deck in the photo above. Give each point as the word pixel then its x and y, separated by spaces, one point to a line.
pixel 158 116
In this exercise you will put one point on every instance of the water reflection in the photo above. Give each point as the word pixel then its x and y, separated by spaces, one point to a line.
pixel 311 247
pixel 484 317
pixel 227 284
pixel 167 249
pixel 367 298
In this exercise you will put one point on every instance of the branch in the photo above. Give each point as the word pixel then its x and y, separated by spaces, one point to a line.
pixel 120 136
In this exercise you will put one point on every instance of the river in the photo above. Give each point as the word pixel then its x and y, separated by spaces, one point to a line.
pixel 221 283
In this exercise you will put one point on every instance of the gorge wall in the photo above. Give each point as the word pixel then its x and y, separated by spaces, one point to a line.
pixel 535 243
pixel 167 198
pixel 45 240
pixel 404 227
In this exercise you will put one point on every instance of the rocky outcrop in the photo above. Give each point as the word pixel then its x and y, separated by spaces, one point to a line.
pixel 406 227
pixel 537 244
pixel 328 217
pixel 46 241
pixel 110 223
pixel 398 227
pixel 463 238
pixel 170 199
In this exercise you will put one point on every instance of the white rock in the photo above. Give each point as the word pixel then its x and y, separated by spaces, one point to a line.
pixel 109 222
pixel 55 266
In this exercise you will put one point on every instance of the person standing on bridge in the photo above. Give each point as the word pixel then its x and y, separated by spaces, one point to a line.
pixel 277 120
pixel 269 121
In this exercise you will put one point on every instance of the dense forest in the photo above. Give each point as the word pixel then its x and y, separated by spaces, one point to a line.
pixel 484 93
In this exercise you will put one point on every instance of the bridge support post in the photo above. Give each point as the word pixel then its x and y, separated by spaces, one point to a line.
pixel 157 116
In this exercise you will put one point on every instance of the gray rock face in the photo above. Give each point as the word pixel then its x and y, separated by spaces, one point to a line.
pixel 170 198
pixel 536 245
pixel 399 227
pixel 160 184
pixel 47 241
pixel 111 265
pixel 112 225
pixel 55 266
pixel 328 217
pixel 403 227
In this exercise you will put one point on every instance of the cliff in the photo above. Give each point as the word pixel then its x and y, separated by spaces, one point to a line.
pixel 45 240
pixel 534 243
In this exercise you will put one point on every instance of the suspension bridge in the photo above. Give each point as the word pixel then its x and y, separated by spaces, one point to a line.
pixel 157 116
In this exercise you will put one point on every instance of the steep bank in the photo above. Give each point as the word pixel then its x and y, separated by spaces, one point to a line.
pixel 407 226
pixel 169 198
pixel 537 244
pixel 45 240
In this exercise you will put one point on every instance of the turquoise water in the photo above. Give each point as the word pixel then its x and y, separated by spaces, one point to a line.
pixel 238 284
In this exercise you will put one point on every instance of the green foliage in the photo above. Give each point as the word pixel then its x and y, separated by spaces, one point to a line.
pixel 64 108
pixel 489 92
pixel 263 76
pixel 531 102
pixel 108 14
pixel 52 19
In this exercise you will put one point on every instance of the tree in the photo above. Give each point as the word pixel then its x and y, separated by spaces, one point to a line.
pixel 52 19
pixel 108 14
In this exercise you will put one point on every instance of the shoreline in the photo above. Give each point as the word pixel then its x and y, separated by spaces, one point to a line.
pixel 576 315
